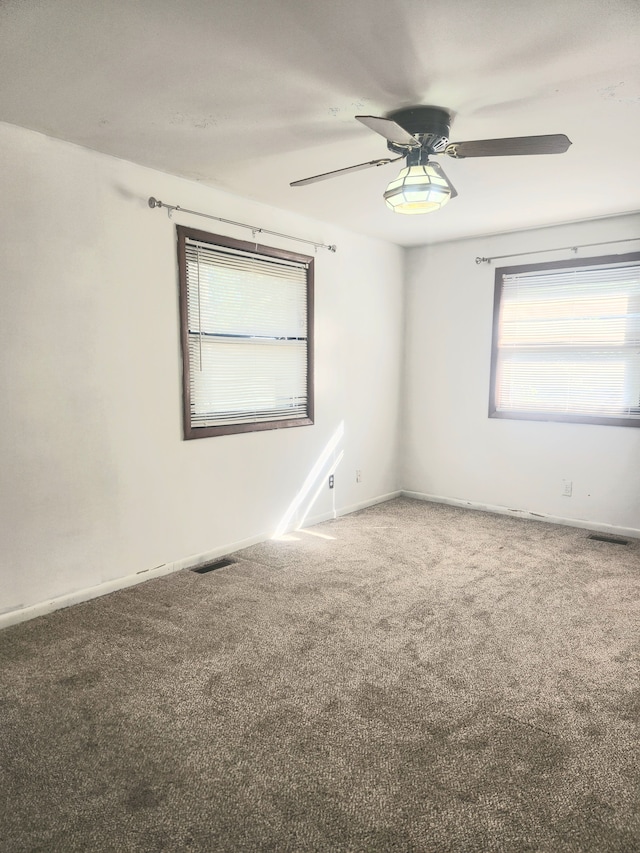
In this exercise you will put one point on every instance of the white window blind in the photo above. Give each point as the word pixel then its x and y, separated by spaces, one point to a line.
pixel 247 336
pixel 568 342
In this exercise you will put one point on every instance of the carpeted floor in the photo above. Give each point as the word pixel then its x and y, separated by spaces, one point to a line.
pixel 413 677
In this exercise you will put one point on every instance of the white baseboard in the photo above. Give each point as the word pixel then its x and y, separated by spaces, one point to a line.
pixel 347 510
pixel 523 513
pixel 23 614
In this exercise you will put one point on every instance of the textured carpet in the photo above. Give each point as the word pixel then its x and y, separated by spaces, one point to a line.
pixel 413 677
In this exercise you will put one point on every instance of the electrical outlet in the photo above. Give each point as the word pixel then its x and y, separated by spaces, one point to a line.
pixel 358 475
pixel 567 488
pixel 330 481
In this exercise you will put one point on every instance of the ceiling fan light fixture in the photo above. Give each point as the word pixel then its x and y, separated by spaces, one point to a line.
pixel 418 189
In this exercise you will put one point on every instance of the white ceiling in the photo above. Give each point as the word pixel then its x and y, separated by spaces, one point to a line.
pixel 252 94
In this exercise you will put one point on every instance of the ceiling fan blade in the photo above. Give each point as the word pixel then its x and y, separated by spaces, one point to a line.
pixel 325 175
pixel 554 143
pixel 390 130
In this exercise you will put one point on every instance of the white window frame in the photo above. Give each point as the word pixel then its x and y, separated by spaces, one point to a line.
pixel 566 357
pixel 258 411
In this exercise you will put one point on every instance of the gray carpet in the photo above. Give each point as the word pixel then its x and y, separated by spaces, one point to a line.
pixel 413 677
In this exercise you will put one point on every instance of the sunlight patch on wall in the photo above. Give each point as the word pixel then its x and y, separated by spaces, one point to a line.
pixel 325 465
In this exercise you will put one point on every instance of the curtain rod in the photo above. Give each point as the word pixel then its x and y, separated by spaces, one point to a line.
pixel 153 202
pixel 561 249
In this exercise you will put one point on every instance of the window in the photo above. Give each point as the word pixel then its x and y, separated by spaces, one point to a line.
pixel 566 341
pixel 247 331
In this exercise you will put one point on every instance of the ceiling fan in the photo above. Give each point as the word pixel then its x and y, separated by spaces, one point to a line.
pixel 417 133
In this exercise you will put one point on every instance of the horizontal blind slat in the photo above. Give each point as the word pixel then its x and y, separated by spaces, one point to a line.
pixel 569 341
pixel 247 336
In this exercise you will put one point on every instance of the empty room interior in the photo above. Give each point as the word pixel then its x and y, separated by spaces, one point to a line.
pixel 320 447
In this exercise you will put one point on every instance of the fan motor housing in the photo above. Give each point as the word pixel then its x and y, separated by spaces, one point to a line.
pixel 431 125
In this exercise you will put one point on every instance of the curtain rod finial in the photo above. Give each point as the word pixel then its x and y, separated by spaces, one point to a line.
pixel 153 202
pixel 483 260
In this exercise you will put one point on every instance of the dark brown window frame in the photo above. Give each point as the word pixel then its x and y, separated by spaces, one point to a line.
pixel 560 417
pixel 189 431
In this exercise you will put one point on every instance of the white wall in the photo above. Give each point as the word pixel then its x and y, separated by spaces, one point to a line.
pixel 451 448
pixel 97 483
